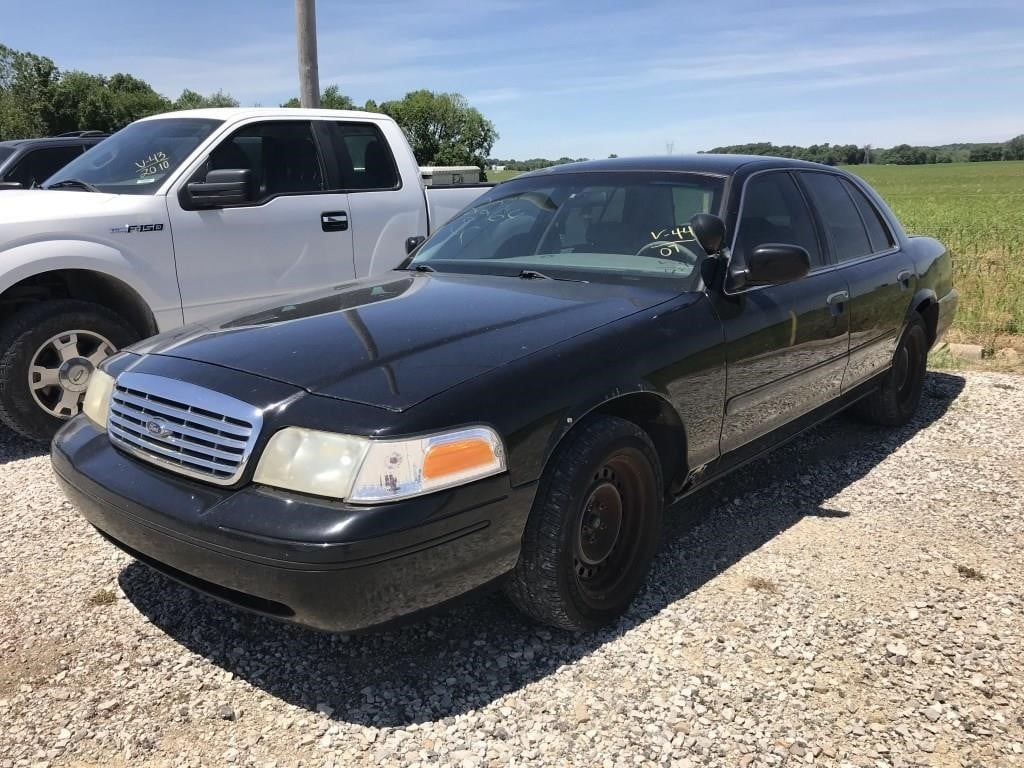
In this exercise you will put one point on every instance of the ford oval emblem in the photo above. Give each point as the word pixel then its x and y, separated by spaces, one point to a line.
pixel 157 428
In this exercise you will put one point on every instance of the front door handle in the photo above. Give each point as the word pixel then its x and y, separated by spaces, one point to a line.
pixel 903 278
pixel 837 301
pixel 334 221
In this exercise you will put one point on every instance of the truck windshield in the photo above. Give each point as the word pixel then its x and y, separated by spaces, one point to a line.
pixel 136 159
pixel 601 226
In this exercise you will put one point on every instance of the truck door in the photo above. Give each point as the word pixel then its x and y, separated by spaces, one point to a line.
pixel 383 211
pixel 786 345
pixel 292 236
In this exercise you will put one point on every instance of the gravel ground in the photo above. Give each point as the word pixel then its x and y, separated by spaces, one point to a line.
pixel 855 599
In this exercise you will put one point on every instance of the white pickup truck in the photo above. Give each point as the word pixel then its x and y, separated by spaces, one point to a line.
pixel 181 216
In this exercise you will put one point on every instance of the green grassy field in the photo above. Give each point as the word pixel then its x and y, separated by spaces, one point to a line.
pixel 496 176
pixel 977 210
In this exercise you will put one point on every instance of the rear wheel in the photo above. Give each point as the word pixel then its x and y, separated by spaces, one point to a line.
pixel 594 527
pixel 48 352
pixel 896 401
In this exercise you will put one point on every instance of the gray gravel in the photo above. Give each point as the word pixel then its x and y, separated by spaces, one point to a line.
pixel 855 599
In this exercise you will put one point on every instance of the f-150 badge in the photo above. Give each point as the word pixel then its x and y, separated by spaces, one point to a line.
pixel 129 228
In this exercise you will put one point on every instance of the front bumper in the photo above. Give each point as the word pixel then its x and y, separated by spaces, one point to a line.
pixel 320 563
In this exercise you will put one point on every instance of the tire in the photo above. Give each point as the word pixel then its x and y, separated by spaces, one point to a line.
pixel 80 327
pixel 576 572
pixel 896 401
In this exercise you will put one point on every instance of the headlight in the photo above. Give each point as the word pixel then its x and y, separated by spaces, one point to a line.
pixel 97 397
pixel 363 470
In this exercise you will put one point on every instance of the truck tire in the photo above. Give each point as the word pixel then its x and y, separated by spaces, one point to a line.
pixel 896 400
pixel 594 527
pixel 47 354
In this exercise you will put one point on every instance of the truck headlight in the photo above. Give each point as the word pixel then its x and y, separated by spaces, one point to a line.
pixel 96 404
pixel 371 471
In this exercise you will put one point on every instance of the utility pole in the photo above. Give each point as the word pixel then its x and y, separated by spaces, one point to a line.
pixel 305 32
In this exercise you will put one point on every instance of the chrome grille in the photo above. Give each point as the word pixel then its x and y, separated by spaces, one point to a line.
pixel 185 428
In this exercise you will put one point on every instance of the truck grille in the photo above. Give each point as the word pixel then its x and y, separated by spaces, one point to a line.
pixel 182 427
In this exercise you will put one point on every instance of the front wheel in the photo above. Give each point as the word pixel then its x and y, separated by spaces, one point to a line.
pixel 48 352
pixel 896 401
pixel 594 527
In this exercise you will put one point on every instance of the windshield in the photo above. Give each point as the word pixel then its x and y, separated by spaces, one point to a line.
pixel 618 226
pixel 5 152
pixel 136 159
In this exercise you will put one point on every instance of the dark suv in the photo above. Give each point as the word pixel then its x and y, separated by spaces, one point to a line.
pixel 27 163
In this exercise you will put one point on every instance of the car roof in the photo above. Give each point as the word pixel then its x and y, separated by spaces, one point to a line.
pixel 724 165
pixel 51 141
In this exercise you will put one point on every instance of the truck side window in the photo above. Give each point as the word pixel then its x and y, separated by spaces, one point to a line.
pixel 774 211
pixel 363 156
pixel 282 156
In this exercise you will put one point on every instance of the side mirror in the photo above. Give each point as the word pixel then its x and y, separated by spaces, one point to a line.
pixel 413 243
pixel 229 186
pixel 709 231
pixel 772 263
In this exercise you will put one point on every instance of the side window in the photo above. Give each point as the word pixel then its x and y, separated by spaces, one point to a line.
pixel 774 211
pixel 839 215
pixel 282 156
pixel 40 164
pixel 363 156
pixel 878 232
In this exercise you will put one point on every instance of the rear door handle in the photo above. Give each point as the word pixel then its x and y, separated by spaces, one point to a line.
pixel 837 301
pixel 334 221
pixel 903 278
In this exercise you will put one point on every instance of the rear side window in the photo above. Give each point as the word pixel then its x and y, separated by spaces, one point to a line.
pixel 839 215
pixel 774 211
pixel 878 232
pixel 363 156
pixel 40 164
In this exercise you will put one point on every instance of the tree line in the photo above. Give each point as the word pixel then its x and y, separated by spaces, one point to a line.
pixel 39 99
pixel 901 154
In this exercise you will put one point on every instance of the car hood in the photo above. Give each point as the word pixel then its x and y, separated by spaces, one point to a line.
pixel 395 340
pixel 28 205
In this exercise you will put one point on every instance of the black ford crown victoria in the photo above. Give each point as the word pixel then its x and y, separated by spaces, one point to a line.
pixel 518 403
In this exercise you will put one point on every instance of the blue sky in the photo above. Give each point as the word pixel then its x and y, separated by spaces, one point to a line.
pixel 589 78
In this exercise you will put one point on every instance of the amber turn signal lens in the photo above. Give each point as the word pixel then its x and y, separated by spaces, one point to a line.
pixel 457 456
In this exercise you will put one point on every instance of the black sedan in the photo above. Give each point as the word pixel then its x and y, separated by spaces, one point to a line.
pixel 518 403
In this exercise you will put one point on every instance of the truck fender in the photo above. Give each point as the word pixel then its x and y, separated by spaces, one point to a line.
pixel 40 257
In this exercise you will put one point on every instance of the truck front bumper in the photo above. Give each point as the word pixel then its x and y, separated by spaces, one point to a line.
pixel 410 555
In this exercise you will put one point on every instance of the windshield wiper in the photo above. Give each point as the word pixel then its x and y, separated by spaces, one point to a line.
pixel 423 268
pixel 533 274
pixel 74 183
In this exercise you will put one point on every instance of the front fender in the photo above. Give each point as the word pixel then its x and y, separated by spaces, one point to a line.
pixel 153 279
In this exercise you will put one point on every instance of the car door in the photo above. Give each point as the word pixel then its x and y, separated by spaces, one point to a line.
pixel 293 236
pixel 879 274
pixel 40 164
pixel 786 344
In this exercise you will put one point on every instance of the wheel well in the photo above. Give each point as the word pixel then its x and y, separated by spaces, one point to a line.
pixel 658 419
pixel 929 311
pixel 84 285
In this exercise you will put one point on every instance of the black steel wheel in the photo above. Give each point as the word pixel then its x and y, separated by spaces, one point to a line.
pixel 594 527
pixel 896 400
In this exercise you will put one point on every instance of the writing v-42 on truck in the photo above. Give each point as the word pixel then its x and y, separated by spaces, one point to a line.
pixel 183 216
